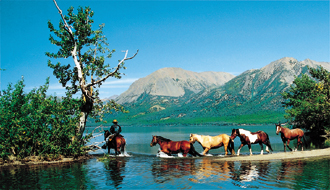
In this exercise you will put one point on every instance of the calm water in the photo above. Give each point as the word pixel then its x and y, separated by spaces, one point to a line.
pixel 144 170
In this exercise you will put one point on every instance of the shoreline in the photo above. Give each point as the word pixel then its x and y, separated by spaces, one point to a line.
pixel 279 156
pixel 65 160
pixel 256 157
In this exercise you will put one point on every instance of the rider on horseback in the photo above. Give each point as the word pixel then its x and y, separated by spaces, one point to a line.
pixel 115 130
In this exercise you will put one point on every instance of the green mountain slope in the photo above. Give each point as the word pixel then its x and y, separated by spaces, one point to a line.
pixel 253 97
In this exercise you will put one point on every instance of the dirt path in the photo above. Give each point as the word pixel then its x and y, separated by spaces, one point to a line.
pixel 281 156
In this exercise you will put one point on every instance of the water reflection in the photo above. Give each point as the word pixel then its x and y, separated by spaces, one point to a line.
pixel 289 169
pixel 164 170
pixel 214 170
pixel 115 171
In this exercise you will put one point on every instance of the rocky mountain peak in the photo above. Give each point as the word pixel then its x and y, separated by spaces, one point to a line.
pixel 173 82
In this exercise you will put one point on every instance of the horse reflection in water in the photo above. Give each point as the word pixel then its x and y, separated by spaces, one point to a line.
pixel 213 171
pixel 169 169
pixel 250 171
pixel 116 168
pixel 290 169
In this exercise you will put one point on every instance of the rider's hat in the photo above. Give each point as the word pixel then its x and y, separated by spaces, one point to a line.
pixel 115 121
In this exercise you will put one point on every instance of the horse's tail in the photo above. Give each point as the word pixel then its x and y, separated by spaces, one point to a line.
pixel 193 152
pixel 268 143
pixel 231 146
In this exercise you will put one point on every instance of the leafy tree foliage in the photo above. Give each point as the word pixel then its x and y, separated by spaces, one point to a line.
pixel 34 124
pixel 76 38
pixel 308 103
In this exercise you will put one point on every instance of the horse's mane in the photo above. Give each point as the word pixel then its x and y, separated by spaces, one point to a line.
pixel 163 139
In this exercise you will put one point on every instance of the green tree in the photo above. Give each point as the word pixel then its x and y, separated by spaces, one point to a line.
pixel 88 49
pixel 35 124
pixel 307 101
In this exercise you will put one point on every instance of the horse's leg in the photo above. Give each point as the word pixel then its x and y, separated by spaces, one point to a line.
pixel 287 144
pixel 239 149
pixel 249 145
pixel 284 144
pixel 108 145
pixel 167 152
pixel 226 146
pixel 206 150
pixel 268 146
pixel 262 149
pixel 300 143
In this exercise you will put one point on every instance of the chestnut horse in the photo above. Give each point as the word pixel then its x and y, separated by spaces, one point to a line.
pixel 118 143
pixel 251 138
pixel 290 134
pixel 173 147
pixel 213 142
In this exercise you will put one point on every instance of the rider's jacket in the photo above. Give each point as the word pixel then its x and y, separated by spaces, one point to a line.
pixel 115 129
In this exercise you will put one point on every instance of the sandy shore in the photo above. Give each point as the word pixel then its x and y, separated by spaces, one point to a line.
pixel 256 157
pixel 280 156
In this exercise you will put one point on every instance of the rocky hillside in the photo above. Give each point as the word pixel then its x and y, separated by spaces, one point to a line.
pixel 173 95
pixel 255 90
pixel 173 82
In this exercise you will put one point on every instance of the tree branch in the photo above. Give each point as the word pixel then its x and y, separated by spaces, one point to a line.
pixel 114 72
pixel 74 53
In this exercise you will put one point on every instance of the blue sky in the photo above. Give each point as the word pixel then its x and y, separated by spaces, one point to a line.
pixel 194 35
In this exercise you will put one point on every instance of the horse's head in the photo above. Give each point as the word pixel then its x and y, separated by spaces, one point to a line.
pixel 234 134
pixel 153 141
pixel 278 128
pixel 106 134
pixel 192 138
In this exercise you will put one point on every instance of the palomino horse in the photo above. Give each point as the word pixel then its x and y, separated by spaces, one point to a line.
pixel 288 134
pixel 118 143
pixel 213 142
pixel 173 147
pixel 251 138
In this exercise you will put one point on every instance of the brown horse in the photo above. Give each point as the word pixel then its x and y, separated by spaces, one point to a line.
pixel 118 143
pixel 213 142
pixel 173 147
pixel 290 134
pixel 251 138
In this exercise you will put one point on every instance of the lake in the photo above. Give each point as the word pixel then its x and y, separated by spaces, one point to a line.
pixel 144 170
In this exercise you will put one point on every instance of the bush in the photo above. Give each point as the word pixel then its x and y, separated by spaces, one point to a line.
pixel 34 124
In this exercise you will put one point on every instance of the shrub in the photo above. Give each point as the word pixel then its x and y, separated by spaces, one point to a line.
pixel 34 124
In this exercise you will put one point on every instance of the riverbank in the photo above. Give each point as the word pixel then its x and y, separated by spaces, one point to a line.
pixel 35 160
pixel 280 156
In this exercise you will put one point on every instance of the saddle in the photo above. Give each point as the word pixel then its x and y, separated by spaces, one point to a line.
pixel 111 136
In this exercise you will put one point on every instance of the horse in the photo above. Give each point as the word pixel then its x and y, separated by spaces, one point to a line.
pixel 118 143
pixel 213 142
pixel 290 134
pixel 173 147
pixel 251 138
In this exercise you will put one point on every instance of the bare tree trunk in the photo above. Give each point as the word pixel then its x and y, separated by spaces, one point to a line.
pixel 86 89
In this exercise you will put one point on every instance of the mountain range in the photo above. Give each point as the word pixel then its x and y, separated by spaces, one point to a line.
pixel 175 95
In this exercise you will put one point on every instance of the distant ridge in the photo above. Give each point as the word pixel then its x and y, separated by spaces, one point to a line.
pixel 173 82
pixel 174 95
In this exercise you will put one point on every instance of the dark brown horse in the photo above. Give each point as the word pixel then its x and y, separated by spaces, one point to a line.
pixel 290 134
pixel 118 143
pixel 251 138
pixel 173 147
